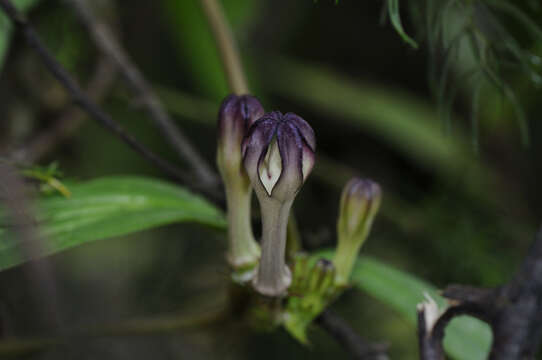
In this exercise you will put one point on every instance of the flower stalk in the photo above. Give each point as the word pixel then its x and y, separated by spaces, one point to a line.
pixel 244 251
pixel 274 277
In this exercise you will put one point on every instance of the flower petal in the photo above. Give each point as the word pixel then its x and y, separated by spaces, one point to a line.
pixel 305 130
pixel 270 167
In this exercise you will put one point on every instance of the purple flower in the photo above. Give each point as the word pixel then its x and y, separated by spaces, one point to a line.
pixel 278 155
pixel 236 115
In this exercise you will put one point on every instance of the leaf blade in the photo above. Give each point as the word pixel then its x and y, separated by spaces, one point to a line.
pixel 395 18
pixel 109 207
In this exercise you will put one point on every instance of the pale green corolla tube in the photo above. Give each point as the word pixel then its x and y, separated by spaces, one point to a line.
pixel 278 155
pixel 236 115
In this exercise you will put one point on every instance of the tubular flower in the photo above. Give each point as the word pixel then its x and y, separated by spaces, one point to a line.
pixel 278 155
pixel 235 116
pixel 360 201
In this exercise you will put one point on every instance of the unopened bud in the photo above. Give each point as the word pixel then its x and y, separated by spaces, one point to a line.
pixel 360 202
pixel 321 277
pixel 236 115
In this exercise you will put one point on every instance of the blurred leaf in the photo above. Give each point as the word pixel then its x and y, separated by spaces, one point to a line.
pixel 466 338
pixel 490 48
pixel 512 10
pixel 188 106
pixel 406 122
pixel 5 27
pixel 474 114
pixel 108 207
pixel 195 43
pixel 395 17
pixel 510 95
pixel 396 117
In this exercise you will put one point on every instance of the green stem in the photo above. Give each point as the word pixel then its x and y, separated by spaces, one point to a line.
pixel 293 241
pixel 224 40
pixel 244 252
pixel 345 257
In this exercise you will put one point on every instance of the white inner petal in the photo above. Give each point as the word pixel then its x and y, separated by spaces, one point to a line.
pixel 307 162
pixel 271 167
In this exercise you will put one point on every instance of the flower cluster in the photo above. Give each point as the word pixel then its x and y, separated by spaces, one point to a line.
pixel 273 154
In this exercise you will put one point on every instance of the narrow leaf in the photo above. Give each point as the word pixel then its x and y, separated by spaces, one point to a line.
pixel 393 11
pixel 509 8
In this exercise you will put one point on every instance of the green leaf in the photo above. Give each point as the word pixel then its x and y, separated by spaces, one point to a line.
pixel 105 208
pixel 395 17
pixel 509 8
pixel 5 27
pixel 466 338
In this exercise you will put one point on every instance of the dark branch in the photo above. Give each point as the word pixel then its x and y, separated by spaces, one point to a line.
pixel 358 347
pixel 430 335
pixel 69 121
pixel 517 330
pixel 105 40
pixel 79 97
pixel 429 344
pixel 513 311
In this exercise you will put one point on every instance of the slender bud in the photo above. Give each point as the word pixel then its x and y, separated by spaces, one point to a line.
pixel 321 277
pixel 278 154
pixel 236 115
pixel 360 202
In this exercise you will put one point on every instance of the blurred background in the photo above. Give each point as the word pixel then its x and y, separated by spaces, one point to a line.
pixel 449 129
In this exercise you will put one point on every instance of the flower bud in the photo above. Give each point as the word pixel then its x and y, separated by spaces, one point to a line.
pixel 315 289
pixel 360 202
pixel 278 155
pixel 321 277
pixel 236 115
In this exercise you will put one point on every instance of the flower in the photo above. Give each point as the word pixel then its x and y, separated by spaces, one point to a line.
pixel 235 116
pixel 278 155
pixel 360 201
